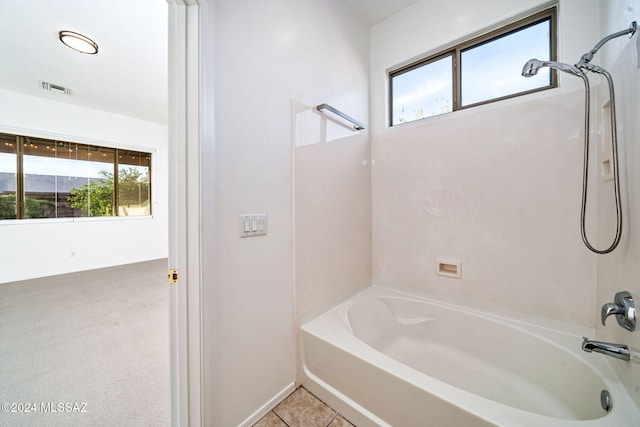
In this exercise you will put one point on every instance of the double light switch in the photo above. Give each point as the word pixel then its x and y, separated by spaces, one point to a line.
pixel 253 225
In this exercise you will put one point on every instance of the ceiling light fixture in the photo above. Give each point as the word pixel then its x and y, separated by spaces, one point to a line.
pixel 75 41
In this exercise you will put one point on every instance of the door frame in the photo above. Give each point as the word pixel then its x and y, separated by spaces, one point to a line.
pixel 184 213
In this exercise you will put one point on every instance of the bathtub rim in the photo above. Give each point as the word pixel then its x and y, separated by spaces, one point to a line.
pixel 490 309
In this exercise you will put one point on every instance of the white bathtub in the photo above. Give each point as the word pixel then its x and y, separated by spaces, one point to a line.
pixel 387 357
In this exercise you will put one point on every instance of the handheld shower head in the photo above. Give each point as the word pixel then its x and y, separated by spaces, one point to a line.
pixel 532 67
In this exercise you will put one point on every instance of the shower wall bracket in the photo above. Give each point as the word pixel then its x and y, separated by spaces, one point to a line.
pixel 355 125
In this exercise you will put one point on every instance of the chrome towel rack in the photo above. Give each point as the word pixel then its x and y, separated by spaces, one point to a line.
pixel 356 124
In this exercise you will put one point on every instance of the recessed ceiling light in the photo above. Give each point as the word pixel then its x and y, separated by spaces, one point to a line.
pixel 75 41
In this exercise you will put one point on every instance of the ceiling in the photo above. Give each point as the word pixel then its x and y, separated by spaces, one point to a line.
pixel 375 11
pixel 128 76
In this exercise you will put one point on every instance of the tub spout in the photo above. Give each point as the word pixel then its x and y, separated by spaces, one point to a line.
pixel 618 351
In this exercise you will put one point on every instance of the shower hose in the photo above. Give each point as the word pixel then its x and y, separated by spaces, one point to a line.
pixel 614 149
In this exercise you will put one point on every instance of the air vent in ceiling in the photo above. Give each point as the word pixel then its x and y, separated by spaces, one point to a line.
pixel 50 87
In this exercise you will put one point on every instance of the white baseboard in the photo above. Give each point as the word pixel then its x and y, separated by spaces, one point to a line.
pixel 272 403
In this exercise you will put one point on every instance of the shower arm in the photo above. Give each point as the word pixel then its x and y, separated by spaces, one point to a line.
pixel 587 57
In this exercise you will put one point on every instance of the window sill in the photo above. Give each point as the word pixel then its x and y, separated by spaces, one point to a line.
pixel 71 220
pixel 497 105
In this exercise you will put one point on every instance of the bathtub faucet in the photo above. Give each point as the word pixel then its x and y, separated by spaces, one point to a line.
pixel 618 351
pixel 624 308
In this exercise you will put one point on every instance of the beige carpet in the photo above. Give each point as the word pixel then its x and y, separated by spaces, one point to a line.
pixel 86 349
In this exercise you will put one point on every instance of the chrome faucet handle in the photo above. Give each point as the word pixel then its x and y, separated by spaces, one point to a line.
pixel 608 309
pixel 624 308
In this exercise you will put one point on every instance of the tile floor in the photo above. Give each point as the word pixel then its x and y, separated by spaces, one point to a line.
pixel 302 409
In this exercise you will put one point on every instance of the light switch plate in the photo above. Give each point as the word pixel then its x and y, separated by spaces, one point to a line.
pixel 253 225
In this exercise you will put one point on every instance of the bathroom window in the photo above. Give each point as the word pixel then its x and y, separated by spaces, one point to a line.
pixel 42 178
pixel 423 91
pixel 478 71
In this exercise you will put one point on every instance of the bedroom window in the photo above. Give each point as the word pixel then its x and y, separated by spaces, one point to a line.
pixel 8 177
pixel 43 178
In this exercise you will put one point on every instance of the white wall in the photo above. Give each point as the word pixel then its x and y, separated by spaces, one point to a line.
pixel 39 248
pixel 619 271
pixel 496 186
pixel 266 54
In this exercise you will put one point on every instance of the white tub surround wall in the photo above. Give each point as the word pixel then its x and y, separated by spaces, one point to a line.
pixel 266 54
pixel 620 270
pixel 332 223
pixel 40 248
pixel 498 190
pixel 497 187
